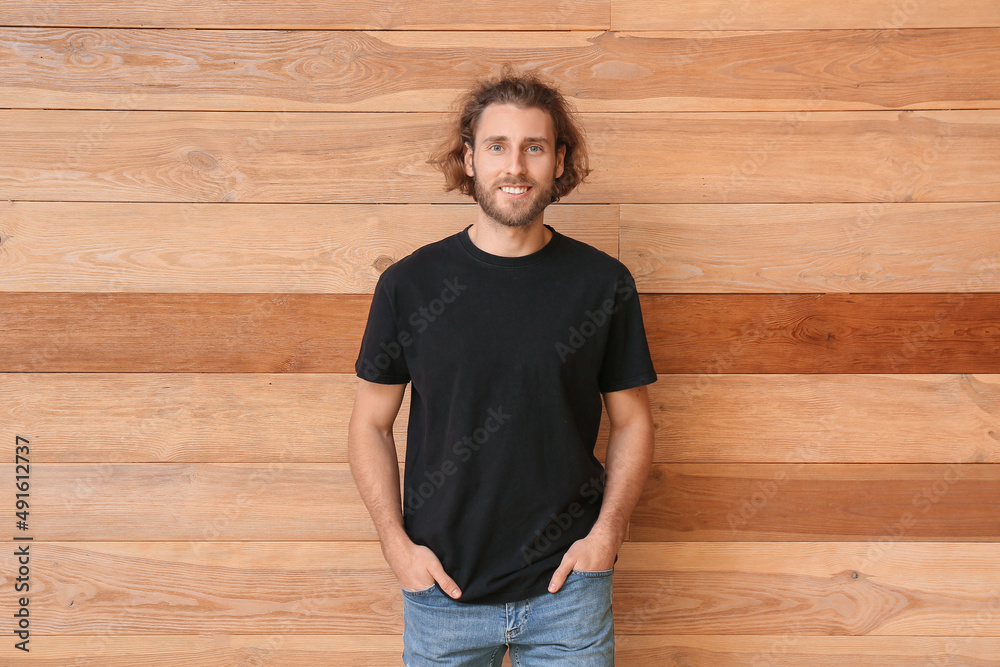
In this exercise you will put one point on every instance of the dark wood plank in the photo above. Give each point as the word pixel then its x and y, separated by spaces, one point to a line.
pixel 819 502
pixel 315 15
pixel 765 157
pixel 424 71
pixel 824 333
pixel 318 333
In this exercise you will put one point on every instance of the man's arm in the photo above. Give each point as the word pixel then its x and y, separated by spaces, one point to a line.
pixel 630 456
pixel 371 451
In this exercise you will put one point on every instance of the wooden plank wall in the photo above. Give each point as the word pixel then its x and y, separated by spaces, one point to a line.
pixel 196 200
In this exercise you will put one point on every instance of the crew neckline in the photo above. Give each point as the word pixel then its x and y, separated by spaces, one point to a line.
pixel 499 260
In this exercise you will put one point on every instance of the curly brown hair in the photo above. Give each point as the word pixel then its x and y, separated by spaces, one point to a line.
pixel 525 90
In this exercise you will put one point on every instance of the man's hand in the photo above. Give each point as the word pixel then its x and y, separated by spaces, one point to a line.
pixel 417 567
pixel 596 551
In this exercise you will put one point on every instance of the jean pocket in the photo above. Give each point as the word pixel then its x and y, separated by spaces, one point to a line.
pixel 422 591
pixel 594 573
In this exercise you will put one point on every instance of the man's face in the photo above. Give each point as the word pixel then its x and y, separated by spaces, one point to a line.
pixel 514 164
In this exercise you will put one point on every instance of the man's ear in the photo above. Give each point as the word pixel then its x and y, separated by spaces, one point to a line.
pixel 560 160
pixel 469 171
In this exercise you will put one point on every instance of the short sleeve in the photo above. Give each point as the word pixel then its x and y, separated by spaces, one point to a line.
pixel 626 362
pixel 381 358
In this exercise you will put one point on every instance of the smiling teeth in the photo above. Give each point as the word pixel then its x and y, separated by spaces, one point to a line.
pixel 514 190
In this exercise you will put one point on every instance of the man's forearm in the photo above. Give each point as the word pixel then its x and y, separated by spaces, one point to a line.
pixel 372 455
pixel 628 461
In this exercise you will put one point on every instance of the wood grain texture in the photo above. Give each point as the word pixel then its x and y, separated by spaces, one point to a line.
pixel 788 14
pixel 680 502
pixel 288 157
pixel 271 70
pixel 819 502
pixel 826 418
pixel 857 248
pixel 307 588
pixel 190 417
pixel 251 248
pixel 796 589
pixel 824 333
pixel 318 333
pixel 789 650
pixel 319 14
pixel 195 501
pixel 303 417
pixel 209 649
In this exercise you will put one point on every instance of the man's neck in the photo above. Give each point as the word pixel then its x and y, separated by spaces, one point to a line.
pixel 503 241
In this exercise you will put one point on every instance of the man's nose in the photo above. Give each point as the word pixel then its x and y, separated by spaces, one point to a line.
pixel 516 165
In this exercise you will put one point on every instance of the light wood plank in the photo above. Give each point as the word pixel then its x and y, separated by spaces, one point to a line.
pixel 680 502
pixel 319 333
pixel 901 589
pixel 208 649
pixel 860 156
pixel 252 248
pixel 306 588
pixel 826 418
pixel 788 14
pixel 315 15
pixel 190 417
pixel 876 247
pixel 819 502
pixel 303 417
pixel 270 70
pixel 195 501
pixel 793 650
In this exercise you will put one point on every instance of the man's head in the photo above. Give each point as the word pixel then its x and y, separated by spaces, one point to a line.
pixel 514 129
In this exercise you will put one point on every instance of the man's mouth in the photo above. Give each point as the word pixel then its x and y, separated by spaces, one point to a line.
pixel 515 190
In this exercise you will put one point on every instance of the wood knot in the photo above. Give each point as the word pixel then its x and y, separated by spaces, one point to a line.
pixel 383 262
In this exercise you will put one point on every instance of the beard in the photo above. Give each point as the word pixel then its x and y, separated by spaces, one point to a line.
pixel 521 212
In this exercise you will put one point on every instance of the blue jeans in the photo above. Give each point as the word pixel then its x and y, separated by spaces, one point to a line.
pixel 572 626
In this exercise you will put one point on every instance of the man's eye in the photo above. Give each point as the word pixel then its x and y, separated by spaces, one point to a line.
pixel 536 149
pixel 492 146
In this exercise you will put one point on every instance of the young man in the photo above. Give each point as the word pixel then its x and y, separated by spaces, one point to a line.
pixel 510 333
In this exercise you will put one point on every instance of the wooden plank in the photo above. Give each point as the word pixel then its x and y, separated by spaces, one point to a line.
pixel 863 156
pixel 199 333
pixel 819 502
pixel 208 649
pixel 195 501
pixel 793 589
pixel 316 15
pixel 319 333
pixel 788 14
pixel 680 502
pixel 303 417
pixel 793 650
pixel 826 418
pixel 271 70
pixel 183 588
pixel 253 248
pixel 190 417
pixel 308 588
pixel 825 333
pixel 760 248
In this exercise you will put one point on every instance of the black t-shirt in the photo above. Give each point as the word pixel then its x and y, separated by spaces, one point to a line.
pixel 508 357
